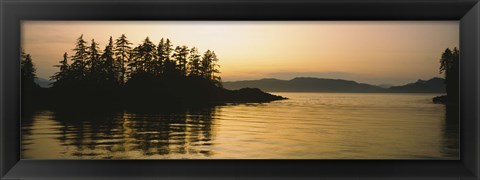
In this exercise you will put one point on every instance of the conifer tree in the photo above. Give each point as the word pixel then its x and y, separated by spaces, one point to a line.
pixel 168 49
pixel 209 66
pixel 150 56
pixel 61 77
pixel 28 70
pixel 94 62
pixel 449 65
pixel 132 63
pixel 446 61
pixel 110 69
pixel 143 57
pixel 91 65
pixel 169 64
pixel 122 55
pixel 162 57
pixel 214 71
pixel 180 56
pixel 194 62
pixel 79 64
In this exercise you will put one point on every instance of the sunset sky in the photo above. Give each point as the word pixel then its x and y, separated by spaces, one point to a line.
pixel 373 52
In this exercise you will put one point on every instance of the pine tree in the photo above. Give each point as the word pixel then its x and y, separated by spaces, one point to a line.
pixel 150 55
pixel 168 49
pixel 61 77
pixel 194 62
pixel 446 61
pixel 79 64
pixel 122 54
pixel 161 59
pixel 208 69
pixel 28 70
pixel 449 65
pixel 180 56
pixel 29 89
pixel 95 63
pixel 169 64
pixel 91 67
pixel 214 71
pixel 110 68
pixel 132 63
pixel 143 57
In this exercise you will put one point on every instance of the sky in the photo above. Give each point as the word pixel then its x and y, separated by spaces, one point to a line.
pixel 374 52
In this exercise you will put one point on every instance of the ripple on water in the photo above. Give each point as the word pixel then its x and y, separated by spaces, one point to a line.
pixel 306 126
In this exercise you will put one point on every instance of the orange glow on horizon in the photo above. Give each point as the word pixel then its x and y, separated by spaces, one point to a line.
pixel 392 52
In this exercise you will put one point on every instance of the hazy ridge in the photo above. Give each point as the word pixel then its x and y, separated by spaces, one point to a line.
pixel 309 84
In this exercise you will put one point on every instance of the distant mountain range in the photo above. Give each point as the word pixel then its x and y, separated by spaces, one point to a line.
pixel 308 84
pixel 434 85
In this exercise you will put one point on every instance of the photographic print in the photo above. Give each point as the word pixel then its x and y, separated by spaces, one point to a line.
pixel 240 90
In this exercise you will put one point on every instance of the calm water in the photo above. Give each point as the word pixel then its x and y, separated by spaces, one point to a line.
pixel 306 126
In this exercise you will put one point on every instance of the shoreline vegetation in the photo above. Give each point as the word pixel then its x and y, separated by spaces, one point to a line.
pixel 156 77
pixel 148 76
pixel 450 67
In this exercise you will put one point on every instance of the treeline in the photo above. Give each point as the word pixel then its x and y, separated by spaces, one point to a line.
pixel 28 71
pixel 450 67
pixel 121 76
pixel 31 92
pixel 119 63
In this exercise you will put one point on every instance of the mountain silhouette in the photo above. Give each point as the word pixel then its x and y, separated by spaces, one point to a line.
pixel 385 86
pixel 434 85
pixel 309 84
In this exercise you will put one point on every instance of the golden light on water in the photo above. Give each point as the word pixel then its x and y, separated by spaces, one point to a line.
pixel 307 126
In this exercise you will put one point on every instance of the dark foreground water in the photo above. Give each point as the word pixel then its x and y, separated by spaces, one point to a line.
pixel 306 126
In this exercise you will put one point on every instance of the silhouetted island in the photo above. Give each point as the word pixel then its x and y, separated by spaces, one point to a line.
pixel 148 76
pixel 150 93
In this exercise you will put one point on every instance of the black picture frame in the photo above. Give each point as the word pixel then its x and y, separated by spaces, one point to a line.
pixel 12 12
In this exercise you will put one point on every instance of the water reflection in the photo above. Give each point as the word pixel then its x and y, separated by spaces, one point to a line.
pixel 306 126
pixel 450 131
pixel 122 134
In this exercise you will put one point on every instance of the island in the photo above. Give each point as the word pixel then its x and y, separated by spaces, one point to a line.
pixel 148 76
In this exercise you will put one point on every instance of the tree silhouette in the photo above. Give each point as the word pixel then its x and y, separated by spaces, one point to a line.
pixel 181 56
pixel 61 77
pixel 449 66
pixel 111 69
pixel 162 58
pixel 208 69
pixel 122 52
pixel 79 64
pixel 27 70
pixel 29 88
pixel 95 64
pixel 446 61
pixel 157 76
pixel 194 62
pixel 143 57
pixel 168 64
